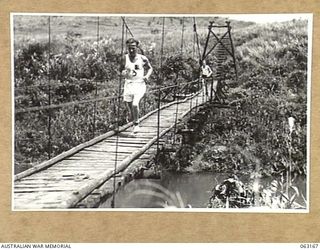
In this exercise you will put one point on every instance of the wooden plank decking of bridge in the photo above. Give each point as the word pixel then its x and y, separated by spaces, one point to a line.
pixel 65 180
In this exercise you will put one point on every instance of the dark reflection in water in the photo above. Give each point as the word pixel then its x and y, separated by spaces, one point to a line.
pixel 179 190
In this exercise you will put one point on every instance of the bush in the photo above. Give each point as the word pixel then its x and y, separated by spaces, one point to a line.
pixel 272 86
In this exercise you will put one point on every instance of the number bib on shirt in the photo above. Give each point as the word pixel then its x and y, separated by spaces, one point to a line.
pixel 135 69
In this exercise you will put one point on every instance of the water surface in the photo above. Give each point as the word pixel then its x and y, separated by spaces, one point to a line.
pixel 178 189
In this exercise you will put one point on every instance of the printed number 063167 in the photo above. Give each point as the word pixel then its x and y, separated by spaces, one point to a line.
pixel 309 245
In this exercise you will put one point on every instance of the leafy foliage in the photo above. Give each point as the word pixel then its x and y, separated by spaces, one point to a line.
pixel 232 193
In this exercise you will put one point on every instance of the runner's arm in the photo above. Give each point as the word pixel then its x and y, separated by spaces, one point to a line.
pixel 201 72
pixel 148 67
pixel 210 71
pixel 122 66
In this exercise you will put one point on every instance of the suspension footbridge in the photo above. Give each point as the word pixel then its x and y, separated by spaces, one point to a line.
pixel 88 171
pixel 91 172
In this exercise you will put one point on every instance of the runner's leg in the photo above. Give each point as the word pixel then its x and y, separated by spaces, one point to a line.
pixel 205 86
pixel 128 98
pixel 130 111
pixel 135 103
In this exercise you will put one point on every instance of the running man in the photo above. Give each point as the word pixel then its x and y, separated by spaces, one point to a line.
pixel 132 68
pixel 205 73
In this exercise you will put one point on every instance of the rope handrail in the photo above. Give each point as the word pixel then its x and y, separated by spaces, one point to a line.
pixel 66 104
pixel 58 84
pixel 154 89
pixel 63 84
pixel 98 99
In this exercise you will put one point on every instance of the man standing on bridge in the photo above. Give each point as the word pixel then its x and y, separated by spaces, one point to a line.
pixel 205 74
pixel 132 68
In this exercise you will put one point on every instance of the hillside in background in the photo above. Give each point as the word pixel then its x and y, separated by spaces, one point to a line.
pixel 36 28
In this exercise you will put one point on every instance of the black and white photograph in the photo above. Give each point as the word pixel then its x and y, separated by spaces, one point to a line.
pixel 145 112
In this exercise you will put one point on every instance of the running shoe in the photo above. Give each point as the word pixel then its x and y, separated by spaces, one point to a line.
pixel 136 129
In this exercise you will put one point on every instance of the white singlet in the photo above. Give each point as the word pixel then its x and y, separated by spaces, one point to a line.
pixel 135 69
pixel 134 87
pixel 206 71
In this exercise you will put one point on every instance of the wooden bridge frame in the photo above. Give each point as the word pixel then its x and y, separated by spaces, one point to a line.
pixel 103 185
pixel 222 47
pixel 220 41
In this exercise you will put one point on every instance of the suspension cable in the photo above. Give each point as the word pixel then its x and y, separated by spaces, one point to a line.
pixel 49 89
pixel 36 86
pixel 197 37
pixel 159 92
pixel 182 33
pixel 76 103
pixel 193 45
pixel 194 42
pixel 126 35
pixel 127 27
pixel 177 85
pixel 199 54
pixel 131 34
pixel 113 201
pixel 96 85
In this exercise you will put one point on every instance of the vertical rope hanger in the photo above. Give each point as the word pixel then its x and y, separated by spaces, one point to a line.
pixel 197 37
pixel 113 201
pixel 199 57
pixel 49 88
pixel 194 39
pixel 159 92
pixel 193 45
pixel 198 46
pixel 131 34
pixel 127 28
pixel 182 33
pixel 96 84
pixel 177 86
pixel 232 49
